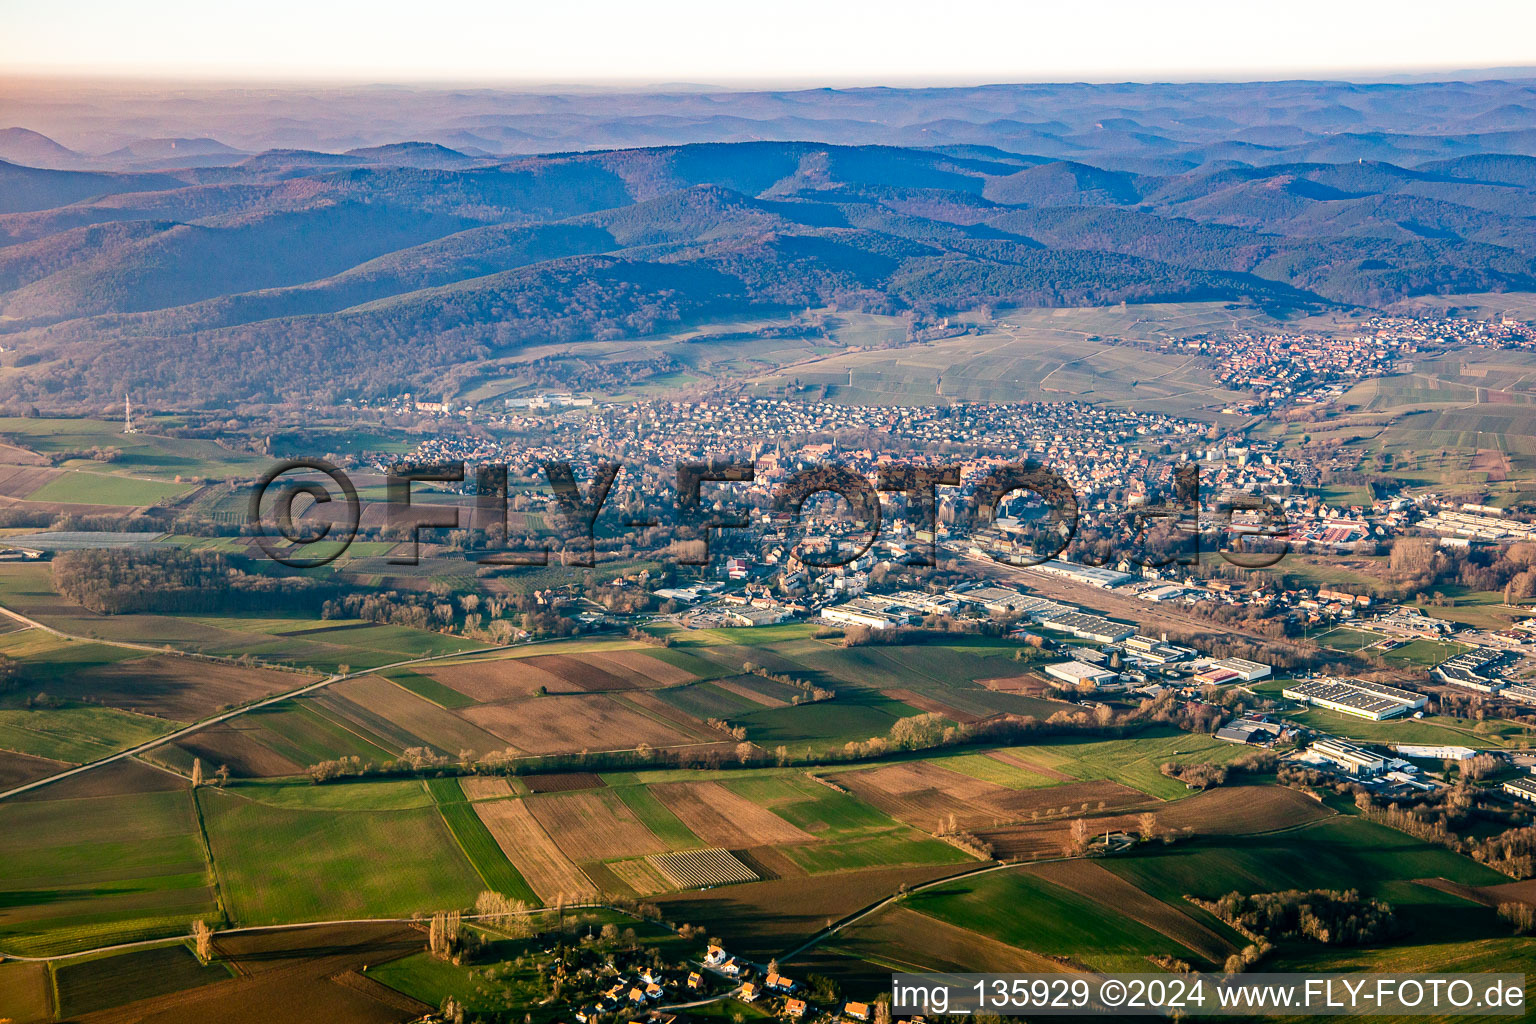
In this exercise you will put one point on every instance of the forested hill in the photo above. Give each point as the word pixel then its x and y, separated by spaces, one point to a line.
pixel 295 273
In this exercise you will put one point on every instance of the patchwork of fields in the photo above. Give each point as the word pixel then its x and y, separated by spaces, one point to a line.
pixel 765 855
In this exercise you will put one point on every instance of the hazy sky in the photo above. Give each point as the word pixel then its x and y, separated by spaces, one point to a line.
pixel 803 41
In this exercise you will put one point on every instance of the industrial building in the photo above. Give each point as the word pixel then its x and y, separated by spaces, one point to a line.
pixel 1415 701
pixel 1092 575
pixel 1249 730
pixel 1156 652
pixel 925 604
pixel 1352 698
pixel 1075 673
pixel 1353 759
pixel 1472 670
pixel 1523 789
pixel 1087 627
pixel 1520 692
pixel 871 613
pixel 1247 671
pixel 993 599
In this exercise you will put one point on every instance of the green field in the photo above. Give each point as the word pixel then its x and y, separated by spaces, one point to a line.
pixel 428 688
pixel 76 732
pixel 85 488
pixel 656 817
pixel 853 834
pixel 1135 761
pixel 294 640
pixel 990 769
pixel 1340 852
pixel 339 795
pixel 281 864
pixel 47 660
pixel 145 453
pixel 1427 955
pixel 477 842
pixel 875 851
pixel 854 716
pixel 1422 653
pixel 1033 914
pixel 86 872
pixel 689 662
pixel 701 700
pixel 301 731
pixel 432 980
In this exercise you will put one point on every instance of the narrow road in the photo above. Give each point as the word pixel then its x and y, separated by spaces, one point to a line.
pixel 257 929
pixel 233 713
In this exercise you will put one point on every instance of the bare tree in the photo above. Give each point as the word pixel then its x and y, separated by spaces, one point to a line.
pixel 202 938
pixel 1079 835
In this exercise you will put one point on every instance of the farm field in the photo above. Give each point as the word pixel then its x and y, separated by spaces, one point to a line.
pixel 296 641
pixel 85 986
pixel 480 787
pixel 856 715
pixel 90 866
pixel 850 834
pixel 536 856
pixel 724 818
pixel 26 992
pixel 562 782
pixel 75 732
pixel 1134 761
pixel 383 706
pixel 1001 770
pixel 1212 941
pixel 19 769
pixel 281 864
pixel 476 841
pixel 1376 860
pixel 82 487
pixel 658 819
pixel 1031 913
pixel 165 686
pixel 701 869
pixel 51 663
pixel 549 725
pixel 593 824
pixel 428 688
pixel 300 732
pixel 279 971
pixel 864 956
pixel 767 918
pixel 593 665
pixel 924 794
pixel 145 452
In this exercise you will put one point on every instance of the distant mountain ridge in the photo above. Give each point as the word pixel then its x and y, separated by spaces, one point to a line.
pixel 1149 128
pixel 394 263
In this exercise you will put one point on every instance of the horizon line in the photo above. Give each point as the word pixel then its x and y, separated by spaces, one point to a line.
pixel 1425 75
